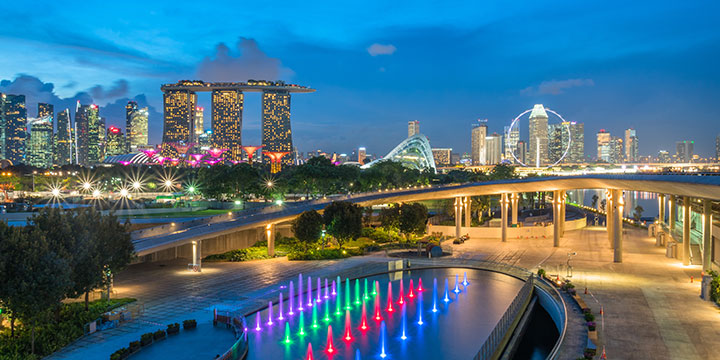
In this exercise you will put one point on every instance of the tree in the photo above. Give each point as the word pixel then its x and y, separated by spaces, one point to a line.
pixel 308 227
pixel 603 203
pixel 343 220
pixel 413 219
pixel 594 200
pixel 502 171
pixel 637 214
pixel 390 217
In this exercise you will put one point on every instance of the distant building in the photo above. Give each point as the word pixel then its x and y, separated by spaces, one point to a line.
pixel 577 143
pixel 136 127
pixel 454 158
pixel 537 152
pixel 521 151
pixel 631 146
pixel 413 127
pixel 442 156
pixel 684 151
pixel 616 150
pixel 604 151
pixel 478 150
pixel 205 140
pixel 557 141
pixel 717 148
pixel 115 142
pixel 178 110
pixel 15 128
pixel 39 146
pixel 567 136
pixel 276 131
pixel 227 110
pixel 663 156
pixel 362 153
pixel 199 121
pixel 494 149
pixel 63 144
pixel 88 123
pixel 511 139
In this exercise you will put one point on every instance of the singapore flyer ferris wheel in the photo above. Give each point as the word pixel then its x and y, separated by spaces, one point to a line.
pixel 538 160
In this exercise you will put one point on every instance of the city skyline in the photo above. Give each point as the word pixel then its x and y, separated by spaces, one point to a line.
pixel 387 59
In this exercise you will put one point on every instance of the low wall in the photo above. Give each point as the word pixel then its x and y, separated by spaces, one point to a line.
pixel 512 232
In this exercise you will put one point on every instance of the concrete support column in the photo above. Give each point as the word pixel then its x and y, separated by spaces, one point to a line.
pixel 468 219
pixel 686 231
pixel 503 212
pixel 197 255
pixel 270 234
pixel 514 203
pixel 618 204
pixel 609 217
pixel 458 215
pixel 661 209
pixel 556 218
pixel 707 235
pixel 563 196
pixel 672 214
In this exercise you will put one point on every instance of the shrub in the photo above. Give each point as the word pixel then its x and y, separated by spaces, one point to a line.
pixel 541 272
pixel 173 328
pixel 586 310
pixel 591 325
pixel 160 334
pixel 134 346
pixel 120 354
pixel 189 324
pixel 146 339
pixel 324 254
pixel 589 353
pixel 589 317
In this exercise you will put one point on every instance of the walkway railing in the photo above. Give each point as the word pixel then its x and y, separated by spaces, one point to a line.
pixel 239 349
pixel 499 334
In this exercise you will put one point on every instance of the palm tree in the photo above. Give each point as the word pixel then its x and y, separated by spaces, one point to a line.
pixel 638 213
pixel 594 200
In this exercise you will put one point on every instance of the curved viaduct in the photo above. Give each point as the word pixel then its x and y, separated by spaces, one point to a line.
pixel 680 188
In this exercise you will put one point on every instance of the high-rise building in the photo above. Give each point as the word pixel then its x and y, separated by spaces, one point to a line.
pixel 205 140
pixel 521 151
pixel 199 120
pixel 46 110
pixel 136 129
pixel 631 146
pixel 478 150
pixel 557 141
pixel 90 149
pixel 62 140
pixel 576 154
pixel 567 136
pixel 684 151
pixel 442 156
pixel 3 98
pixel 115 141
pixel 362 153
pixel 511 139
pixel 413 127
pixel 604 151
pixel 101 139
pixel 663 156
pixel 227 109
pixel 717 148
pixel 616 150
pixel 178 122
pixel 494 149
pixel 39 145
pixel 538 136
pixel 277 135
pixel 15 128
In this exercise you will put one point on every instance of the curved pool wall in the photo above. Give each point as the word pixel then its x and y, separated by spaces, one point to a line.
pixel 456 331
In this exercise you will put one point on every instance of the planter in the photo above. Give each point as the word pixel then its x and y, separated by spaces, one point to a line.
pixel 134 346
pixel 173 329
pixel 146 339
pixel 159 335
pixel 189 324
pixel 592 335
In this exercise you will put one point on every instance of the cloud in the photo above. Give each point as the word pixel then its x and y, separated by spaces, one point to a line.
pixel 250 63
pixel 120 88
pixel 556 87
pixel 380 49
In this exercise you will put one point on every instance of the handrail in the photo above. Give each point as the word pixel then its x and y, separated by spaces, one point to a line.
pixel 542 284
pixel 491 346
pixel 240 347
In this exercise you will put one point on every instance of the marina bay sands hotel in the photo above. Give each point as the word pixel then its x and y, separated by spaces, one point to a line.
pixel 180 100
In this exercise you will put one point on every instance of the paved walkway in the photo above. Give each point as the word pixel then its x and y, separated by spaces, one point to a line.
pixel 651 310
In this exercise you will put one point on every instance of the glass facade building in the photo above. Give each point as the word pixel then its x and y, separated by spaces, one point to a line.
pixel 227 108
pixel 62 150
pixel 15 128
pixel 178 110
pixel 115 141
pixel 478 149
pixel 39 145
pixel 136 127
pixel 537 152
pixel 276 132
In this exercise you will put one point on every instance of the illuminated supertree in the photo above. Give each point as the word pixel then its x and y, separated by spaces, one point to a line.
pixel 275 160
pixel 250 150
pixel 216 153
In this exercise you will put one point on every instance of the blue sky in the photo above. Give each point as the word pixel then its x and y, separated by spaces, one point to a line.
pixel 651 65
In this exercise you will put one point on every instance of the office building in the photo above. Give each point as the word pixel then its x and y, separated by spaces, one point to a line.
pixel 663 156
pixel 566 138
pixel 442 156
pixel 136 127
pixel 15 128
pixel 115 142
pixel 616 150
pixel 413 127
pixel 576 155
pixel 478 150
pixel 205 140
pixel 2 125
pixel 39 145
pixel 277 135
pixel 511 139
pixel 684 151
pixel 604 152
pixel 178 122
pixel 87 132
pixel 227 108
pixel 537 153
pixel 493 153
pixel 62 140
pixel 521 151
pixel 362 154
pixel 717 148
pixel 631 146
pixel 557 141
pixel 199 121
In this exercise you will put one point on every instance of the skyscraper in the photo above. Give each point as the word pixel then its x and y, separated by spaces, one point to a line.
pixel 15 128
pixel 362 153
pixel 478 149
pixel 115 142
pixel 137 130
pixel 39 146
pixel 684 151
pixel 199 121
pixel 178 122
pixel 521 151
pixel 442 156
pixel 663 156
pixel 566 136
pixel 717 148
pixel 511 139
pixel 494 149
pixel 557 141
pixel 277 135
pixel 616 150
pixel 631 146
pixel 577 143
pixel 62 151
pixel 538 136
pixel 413 127
pixel 88 127
pixel 130 108
pixel 604 152
pixel 3 99
pixel 227 108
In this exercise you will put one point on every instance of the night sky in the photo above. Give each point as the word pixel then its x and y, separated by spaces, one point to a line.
pixel 650 65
